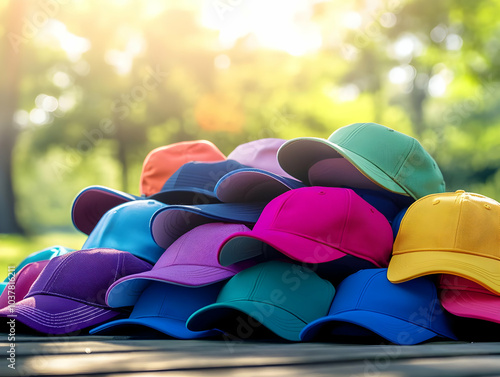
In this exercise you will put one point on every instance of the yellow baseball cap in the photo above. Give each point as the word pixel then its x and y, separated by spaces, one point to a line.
pixel 454 233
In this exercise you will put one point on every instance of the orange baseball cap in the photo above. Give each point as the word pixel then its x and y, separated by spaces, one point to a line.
pixel 164 161
pixel 453 233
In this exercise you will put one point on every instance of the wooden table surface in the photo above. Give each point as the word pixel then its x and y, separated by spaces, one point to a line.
pixel 131 356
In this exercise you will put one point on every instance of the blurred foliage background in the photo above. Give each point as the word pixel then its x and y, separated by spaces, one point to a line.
pixel 88 88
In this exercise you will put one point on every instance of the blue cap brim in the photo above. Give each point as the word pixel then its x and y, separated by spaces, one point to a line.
pixel 395 330
pixel 171 222
pixel 253 185
pixel 169 326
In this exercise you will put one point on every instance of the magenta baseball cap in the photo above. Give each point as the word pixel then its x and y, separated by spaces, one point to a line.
pixel 260 154
pixel 465 298
pixel 190 261
pixel 21 282
pixel 315 225
pixel 69 294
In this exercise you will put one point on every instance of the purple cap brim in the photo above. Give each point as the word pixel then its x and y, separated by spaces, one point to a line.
pixel 57 315
pixel 126 291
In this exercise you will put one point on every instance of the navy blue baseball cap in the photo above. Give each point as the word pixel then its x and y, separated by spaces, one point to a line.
pixel 194 182
pixel 172 221
pixel 405 313
pixel 253 185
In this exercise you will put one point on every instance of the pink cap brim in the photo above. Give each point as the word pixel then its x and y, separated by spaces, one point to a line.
pixel 471 304
pixel 245 245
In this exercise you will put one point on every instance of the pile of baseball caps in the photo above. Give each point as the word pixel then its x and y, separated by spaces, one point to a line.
pixel 347 239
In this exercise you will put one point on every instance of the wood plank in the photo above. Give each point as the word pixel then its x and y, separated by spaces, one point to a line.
pixel 57 356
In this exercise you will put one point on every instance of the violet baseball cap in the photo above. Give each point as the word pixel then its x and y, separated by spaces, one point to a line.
pixel 253 185
pixel 69 294
pixel 166 308
pixel 191 261
pixel 40 255
pixel 406 313
pixel 172 221
pixel 194 182
pixel 93 202
pixel 465 298
pixel 283 297
pixel 260 154
pixel 19 285
pixel 126 227
pixel 315 225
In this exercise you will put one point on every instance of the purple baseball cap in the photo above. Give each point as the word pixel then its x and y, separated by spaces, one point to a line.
pixel 191 261
pixel 93 202
pixel 260 154
pixel 69 294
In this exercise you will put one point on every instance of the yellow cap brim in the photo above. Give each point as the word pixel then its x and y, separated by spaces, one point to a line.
pixel 480 269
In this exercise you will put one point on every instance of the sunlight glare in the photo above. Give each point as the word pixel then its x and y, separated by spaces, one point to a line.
pixel 279 25
pixel 352 20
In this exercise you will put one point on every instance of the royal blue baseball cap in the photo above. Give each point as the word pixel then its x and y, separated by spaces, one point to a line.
pixel 166 307
pixel 406 313
pixel 126 227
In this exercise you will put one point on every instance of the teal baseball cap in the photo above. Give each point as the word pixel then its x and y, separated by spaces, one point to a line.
pixel 363 155
pixel 283 297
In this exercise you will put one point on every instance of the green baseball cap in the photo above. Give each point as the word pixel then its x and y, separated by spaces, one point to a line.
pixel 364 155
pixel 281 296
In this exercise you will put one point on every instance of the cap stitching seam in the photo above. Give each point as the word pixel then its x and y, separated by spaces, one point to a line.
pixel 474 254
pixel 349 203
pixel 56 273
pixel 365 287
pixel 455 240
pixel 352 134
pixel 258 281
pixel 268 303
